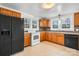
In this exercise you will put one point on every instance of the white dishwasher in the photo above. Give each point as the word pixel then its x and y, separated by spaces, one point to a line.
pixel 35 38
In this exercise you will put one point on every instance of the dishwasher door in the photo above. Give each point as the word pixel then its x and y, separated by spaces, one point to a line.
pixel 71 41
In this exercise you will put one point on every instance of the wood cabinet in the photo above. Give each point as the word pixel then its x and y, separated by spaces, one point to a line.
pixel 27 39
pixel 9 12
pixel 76 19
pixel 48 36
pixel 60 38
pixel 42 36
pixel 55 37
pixel 44 22
pixel 51 37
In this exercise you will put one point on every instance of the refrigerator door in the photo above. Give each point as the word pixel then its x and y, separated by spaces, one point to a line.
pixel 17 35
pixel 5 35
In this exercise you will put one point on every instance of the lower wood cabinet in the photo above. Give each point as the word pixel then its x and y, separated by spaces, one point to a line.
pixel 60 39
pixel 27 39
pixel 55 37
pixel 48 36
pixel 42 36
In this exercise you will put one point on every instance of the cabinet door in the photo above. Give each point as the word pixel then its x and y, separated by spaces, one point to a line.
pixel 41 23
pixel 60 39
pixel 0 10
pixel 76 18
pixel 54 39
pixel 8 13
pixel 18 14
pixel 49 36
pixel 44 22
pixel 27 39
pixel 46 37
pixel 3 11
pixel 42 36
pixel 48 23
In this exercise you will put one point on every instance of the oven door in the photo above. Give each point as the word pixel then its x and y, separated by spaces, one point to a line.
pixel 35 38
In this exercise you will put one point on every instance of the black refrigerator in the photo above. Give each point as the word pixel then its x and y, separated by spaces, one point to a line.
pixel 11 35
pixel 17 35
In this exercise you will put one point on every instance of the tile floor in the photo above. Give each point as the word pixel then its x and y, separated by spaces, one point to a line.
pixel 48 49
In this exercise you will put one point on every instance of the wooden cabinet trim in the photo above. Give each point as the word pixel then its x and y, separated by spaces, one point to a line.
pixel 8 12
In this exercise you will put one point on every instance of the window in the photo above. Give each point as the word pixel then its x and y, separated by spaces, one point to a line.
pixel 55 24
pixel 27 23
pixel 34 24
pixel 66 23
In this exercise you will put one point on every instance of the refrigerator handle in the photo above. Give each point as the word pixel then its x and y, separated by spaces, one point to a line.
pixel 5 32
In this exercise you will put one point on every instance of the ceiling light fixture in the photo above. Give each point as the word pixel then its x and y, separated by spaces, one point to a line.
pixel 47 5
pixel 30 15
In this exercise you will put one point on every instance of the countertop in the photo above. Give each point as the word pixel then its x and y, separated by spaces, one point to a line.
pixel 65 32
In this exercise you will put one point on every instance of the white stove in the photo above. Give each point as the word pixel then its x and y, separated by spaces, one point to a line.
pixel 35 38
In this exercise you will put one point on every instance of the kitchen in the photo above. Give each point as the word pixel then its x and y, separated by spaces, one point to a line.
pixel 43 26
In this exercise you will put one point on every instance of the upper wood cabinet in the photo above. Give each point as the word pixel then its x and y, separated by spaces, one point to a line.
pixel 44 22
pixel 27 39
pixel 10 12
pixel 76 19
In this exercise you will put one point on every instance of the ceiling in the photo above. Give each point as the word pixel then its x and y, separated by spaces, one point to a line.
pixel 36 10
